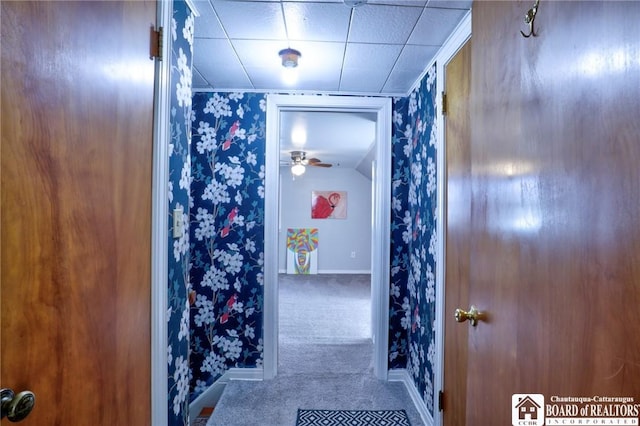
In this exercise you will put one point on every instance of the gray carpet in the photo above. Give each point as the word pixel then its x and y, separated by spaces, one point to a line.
pixel 324 308
pixel 325 358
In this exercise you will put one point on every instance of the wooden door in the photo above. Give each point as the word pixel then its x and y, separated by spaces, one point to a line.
pixel 457 226
pixel 77 121
pixel 555 204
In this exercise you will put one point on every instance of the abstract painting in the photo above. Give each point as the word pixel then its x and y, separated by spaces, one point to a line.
pixel 302 251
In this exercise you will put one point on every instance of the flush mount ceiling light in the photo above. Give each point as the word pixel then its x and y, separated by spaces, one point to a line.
pixel 289 57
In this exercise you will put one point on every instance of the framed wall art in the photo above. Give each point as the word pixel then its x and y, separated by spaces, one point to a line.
pixel 328 204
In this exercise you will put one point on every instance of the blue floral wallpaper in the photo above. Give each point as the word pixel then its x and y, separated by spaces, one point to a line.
pixel 413 236
pixel 179 183
pixel 227 234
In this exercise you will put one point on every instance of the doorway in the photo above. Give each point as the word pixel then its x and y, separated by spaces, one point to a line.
pixel 324 293
pixel 276 104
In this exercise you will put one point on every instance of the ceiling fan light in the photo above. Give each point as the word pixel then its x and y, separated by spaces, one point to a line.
pixel 297 169
pixel 289 57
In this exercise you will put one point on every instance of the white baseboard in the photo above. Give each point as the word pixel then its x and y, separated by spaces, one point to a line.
pixel 401 375
pixel 208 398
pixel 245 374
pixel 213 393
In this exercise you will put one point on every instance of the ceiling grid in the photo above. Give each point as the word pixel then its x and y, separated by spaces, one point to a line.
pixel 378 48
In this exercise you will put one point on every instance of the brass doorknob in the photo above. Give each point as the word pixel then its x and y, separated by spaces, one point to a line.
pixel 16 407
pixel 473 315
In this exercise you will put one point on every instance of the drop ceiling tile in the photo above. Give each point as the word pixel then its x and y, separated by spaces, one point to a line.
pixel 265 78
pixel 415 3
pixel 259 53
pixel 214 51
pixel 322 81
pixel 317 21
pixel 318 85
pixel 319 65
pixel 450 4
pixel 415 58
pixel 269 79
pixel 435 26
pixel 401 81
pixel 313 1
pixel 207 24
pixel 383 24
pixel 251 20
pixel 409 68
pixel 359 81
pixel 371 56
pixel 200 5
pixel 318 56
pixel 366 66
pixel 227 78
pixel 216 60
pixel 199 81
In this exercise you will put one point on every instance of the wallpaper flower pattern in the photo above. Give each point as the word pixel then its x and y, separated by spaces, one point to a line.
pixel 227 234
pixel 413 236
pixel 179 183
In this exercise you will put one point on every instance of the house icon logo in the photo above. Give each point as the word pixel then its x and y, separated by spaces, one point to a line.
pixel 527 409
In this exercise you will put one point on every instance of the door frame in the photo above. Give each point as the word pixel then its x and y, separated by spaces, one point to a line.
pixel 380 256
pixel 456 40
pixel 160 223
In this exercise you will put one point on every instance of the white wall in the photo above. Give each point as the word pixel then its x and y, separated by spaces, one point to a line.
pixel 337 238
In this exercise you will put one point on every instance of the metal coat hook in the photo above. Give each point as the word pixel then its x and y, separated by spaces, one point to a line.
pixel 529 18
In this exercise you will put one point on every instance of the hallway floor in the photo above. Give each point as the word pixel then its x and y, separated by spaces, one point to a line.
pixel 325 358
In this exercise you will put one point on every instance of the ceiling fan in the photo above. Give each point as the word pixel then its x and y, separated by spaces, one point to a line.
pixel 299 160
